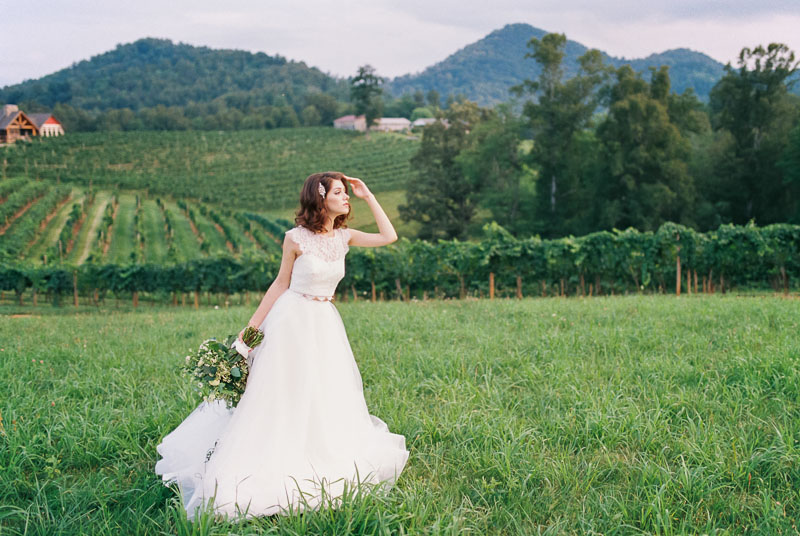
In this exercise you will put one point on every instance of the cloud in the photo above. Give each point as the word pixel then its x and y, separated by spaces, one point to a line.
pixel 395 36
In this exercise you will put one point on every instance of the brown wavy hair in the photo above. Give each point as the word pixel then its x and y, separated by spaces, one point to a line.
pixel 312 213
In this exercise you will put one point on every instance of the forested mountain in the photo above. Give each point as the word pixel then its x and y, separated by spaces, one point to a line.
pixel 203 88
pixel 485 70
pixel 152 72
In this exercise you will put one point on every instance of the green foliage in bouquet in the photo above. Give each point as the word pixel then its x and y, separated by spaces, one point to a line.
pixel 218 371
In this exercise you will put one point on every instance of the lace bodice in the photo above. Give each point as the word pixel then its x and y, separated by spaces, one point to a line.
pixel 321 266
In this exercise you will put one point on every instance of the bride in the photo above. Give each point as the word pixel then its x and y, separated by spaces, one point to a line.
pixel 301 435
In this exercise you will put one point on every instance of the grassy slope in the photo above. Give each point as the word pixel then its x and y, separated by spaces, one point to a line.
pixel 49 236
pixel 186 243
pixel 613 415
pixel 88 234
pixel 255 169
pixel 155 242
pixel 123 234
pixel 214 240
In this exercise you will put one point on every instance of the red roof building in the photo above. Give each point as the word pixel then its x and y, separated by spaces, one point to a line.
pixel 16 124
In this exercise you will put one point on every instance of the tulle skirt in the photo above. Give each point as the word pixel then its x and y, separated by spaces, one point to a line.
pixel 301 434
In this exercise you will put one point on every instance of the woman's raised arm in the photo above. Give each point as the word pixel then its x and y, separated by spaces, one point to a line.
pixel 386 233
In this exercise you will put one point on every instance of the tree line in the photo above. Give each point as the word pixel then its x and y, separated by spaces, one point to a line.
pixel 612 148
pixel 670 259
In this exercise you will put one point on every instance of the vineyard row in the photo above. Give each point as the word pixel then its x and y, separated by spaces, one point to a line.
pixel 673 259
pixel 39 223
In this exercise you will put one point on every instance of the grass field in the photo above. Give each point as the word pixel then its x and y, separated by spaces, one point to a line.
pixel 625 415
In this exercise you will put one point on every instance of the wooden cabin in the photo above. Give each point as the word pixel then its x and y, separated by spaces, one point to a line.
pixel 16 124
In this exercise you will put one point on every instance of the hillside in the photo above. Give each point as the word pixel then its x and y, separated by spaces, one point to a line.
pixel 153 72
pixel 253 169
pixel 65 224
pixel 485 70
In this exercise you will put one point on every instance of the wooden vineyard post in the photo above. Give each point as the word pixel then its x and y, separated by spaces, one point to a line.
pixel 519 287
pixel 135 299
pixel 591 289
pixel 75 288
pixel 491 285
pixel 197 299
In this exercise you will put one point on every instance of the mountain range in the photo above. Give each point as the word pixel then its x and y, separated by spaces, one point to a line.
pixel 485 70
pixel 151 72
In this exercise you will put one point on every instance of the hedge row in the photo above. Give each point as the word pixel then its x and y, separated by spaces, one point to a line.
pixel 598 263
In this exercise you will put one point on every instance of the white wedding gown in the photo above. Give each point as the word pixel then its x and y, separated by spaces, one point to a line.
pixel 301 433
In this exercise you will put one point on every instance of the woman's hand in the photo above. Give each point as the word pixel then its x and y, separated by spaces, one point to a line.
pixel 360 189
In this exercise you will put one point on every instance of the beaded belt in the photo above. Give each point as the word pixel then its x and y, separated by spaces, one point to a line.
pixel 313 297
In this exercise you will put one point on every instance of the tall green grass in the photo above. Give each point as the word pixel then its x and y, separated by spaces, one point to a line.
pixel 627 415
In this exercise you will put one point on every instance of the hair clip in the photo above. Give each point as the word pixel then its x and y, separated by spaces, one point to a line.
pixel 321 190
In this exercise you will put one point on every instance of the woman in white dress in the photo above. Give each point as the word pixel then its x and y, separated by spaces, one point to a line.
pixel 301 434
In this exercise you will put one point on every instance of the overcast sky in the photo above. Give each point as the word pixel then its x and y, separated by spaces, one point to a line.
pixel 397 37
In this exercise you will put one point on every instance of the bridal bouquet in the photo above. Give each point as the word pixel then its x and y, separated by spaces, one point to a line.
pixel 219 370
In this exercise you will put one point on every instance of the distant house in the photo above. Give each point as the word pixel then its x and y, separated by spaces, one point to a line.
pixel 392 124
pixel 423 122
pixel 384 124
pixel 16 124
pixel 351 122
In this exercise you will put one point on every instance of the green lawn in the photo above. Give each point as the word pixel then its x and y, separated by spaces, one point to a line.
pixel 625 415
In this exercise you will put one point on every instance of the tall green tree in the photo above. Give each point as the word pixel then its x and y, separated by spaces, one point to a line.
pixel 790 166
pixel 441 198
pixel 495 159
pixel 365 92
pixel 752 107
pixel 559 112
pixel 647 180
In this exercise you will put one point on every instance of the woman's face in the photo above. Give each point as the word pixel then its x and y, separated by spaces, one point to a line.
pixel 336 200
